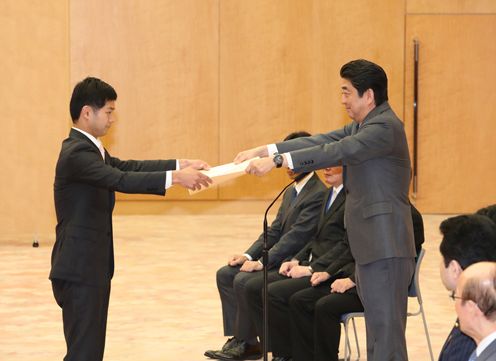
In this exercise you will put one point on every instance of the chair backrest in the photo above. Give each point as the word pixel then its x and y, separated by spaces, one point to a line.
pixel 414 288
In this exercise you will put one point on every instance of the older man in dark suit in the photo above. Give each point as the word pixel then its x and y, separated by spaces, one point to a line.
pixel 86 178
pixel 475 304
pixel 467 239
pixel 374 152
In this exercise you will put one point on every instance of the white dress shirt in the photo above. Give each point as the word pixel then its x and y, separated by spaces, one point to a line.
pixel 485 342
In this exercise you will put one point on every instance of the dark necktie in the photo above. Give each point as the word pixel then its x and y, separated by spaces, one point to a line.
pixel 329 200
pixel 294 194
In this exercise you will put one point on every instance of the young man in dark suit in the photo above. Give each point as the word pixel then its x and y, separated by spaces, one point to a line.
pixel 295 223
pixel 374 153
pixel 86 178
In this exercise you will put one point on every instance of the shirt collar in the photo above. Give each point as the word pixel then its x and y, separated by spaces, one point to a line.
pixel 299 186
pixel 337 189
pixel 485 342
pixel 95 141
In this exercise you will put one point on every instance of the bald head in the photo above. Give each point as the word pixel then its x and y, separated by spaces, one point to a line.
pixel 476 300
pixel 478 283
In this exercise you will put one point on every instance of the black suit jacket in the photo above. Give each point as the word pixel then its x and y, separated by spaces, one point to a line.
pixel 329 234
pixel 294 224
pixel 84 200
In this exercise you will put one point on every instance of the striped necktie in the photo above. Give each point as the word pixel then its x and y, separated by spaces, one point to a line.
pixel 329 200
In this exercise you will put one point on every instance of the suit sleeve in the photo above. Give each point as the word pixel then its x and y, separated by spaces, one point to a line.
pixel 374 140
pixel 143 165
pixel 347 271
pixel 304 253
pixel 273 234
pixel 83 164
pixel 334 259
pixel 318 139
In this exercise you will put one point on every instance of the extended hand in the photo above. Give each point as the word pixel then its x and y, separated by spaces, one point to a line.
pixel 260 166
pixel 286 267
pixel 237 259
pixel 250 266
pixel 342 285
pixel 299 271
pixel 319 277
pixel 190 178
pixel 193 163
pixel 251 153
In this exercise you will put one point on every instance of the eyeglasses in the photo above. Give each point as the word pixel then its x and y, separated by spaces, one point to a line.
pixel 454 297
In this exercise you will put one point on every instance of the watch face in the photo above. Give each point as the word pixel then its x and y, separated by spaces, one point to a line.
pixel 278 160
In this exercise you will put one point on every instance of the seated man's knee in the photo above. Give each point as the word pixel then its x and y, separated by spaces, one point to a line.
pixel 225 275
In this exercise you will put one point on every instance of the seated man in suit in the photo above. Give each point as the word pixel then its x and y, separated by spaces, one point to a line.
pixel 325 247
pixel 313 314
pixel 295 223
pixel 467 239
pixel 475 304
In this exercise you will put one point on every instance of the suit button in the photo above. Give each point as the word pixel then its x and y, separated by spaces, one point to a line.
pixel 347 192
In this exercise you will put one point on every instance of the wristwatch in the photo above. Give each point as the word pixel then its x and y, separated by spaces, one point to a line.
pixel 278 160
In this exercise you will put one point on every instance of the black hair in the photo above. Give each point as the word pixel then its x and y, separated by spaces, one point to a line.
pixel 298 134
pixel 90 91
pixel 489 211
pixel 295 135
pixel 468 239
pixel 363 75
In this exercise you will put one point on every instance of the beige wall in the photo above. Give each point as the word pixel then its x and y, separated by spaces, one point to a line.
pixel 34 96
pixel 206 79
pixel 456 108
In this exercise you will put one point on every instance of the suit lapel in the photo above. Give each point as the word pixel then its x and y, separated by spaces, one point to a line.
pixel 335 205
pixel 78 135
pixel 337 202
pixel 107 156
pixel 290 207
pixel 488 353
pixel 323 213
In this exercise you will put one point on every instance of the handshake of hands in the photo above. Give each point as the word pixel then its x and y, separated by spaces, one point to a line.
pixel 190 176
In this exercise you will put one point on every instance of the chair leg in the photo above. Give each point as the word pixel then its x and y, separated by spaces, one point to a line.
pixel 356 340
pixel 347 347
pixel 426 332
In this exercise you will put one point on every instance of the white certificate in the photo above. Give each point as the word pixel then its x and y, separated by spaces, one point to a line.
pixel 223 173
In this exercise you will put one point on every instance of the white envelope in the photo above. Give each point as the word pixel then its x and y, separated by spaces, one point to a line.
pixel 223 173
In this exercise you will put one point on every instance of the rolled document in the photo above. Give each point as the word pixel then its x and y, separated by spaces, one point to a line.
pixel 223 173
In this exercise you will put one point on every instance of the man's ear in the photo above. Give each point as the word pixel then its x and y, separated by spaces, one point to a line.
pixel 86 112
pixel 474 309
pixel 455 269
pixel 370 96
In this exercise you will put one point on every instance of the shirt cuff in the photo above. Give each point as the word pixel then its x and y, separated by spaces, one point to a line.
pixel 250 258
pixel 178 167
pixel 289 160
pixel 168 179
pixel 271 149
